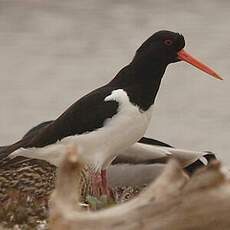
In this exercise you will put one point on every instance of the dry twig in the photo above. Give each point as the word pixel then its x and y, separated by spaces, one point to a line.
pixel 172 202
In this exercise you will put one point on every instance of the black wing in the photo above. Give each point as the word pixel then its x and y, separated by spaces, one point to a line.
pixel 85 115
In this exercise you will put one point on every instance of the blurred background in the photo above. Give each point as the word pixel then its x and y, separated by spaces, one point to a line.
pixel 52 52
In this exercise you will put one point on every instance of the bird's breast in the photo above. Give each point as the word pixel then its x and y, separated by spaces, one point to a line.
pixel 126 127
pixel 129 124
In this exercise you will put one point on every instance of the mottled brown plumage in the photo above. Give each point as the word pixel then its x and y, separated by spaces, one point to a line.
pixel 35 177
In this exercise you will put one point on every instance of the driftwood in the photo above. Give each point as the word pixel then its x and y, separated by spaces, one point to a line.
pixel 173 201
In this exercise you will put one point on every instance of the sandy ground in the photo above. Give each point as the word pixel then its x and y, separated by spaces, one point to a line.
pixel 52 52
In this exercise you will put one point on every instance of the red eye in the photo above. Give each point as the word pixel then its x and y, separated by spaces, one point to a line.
pixel 168 42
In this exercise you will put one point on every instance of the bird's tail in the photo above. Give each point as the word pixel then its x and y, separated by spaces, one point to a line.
pixel 6 150
pixel 2 148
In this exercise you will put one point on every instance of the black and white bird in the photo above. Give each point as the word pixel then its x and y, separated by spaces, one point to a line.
pixel 112 118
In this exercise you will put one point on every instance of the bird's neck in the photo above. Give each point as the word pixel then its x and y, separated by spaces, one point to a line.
pixel 141 81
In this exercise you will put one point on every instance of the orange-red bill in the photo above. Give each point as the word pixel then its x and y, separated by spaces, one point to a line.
pixel 185 56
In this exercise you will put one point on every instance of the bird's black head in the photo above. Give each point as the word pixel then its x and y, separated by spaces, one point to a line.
pixel 165 47
pixel 142 77
pixel 162 46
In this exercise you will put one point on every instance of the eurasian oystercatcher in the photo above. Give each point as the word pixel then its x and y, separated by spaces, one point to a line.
pixel 111 118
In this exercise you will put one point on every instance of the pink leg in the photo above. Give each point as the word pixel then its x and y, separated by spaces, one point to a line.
pixel 104 181
pixel 105 188
pixel 99 184
pixel 96 184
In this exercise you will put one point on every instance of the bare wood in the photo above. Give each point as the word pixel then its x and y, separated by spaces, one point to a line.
pixel 172 202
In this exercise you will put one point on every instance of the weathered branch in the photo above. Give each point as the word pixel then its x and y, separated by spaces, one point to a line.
pixel 172 202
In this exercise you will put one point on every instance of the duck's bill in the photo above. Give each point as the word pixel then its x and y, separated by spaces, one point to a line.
pixel 185 56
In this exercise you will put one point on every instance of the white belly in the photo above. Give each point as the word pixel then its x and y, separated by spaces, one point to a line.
pixel 117 134
pixel 99 147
